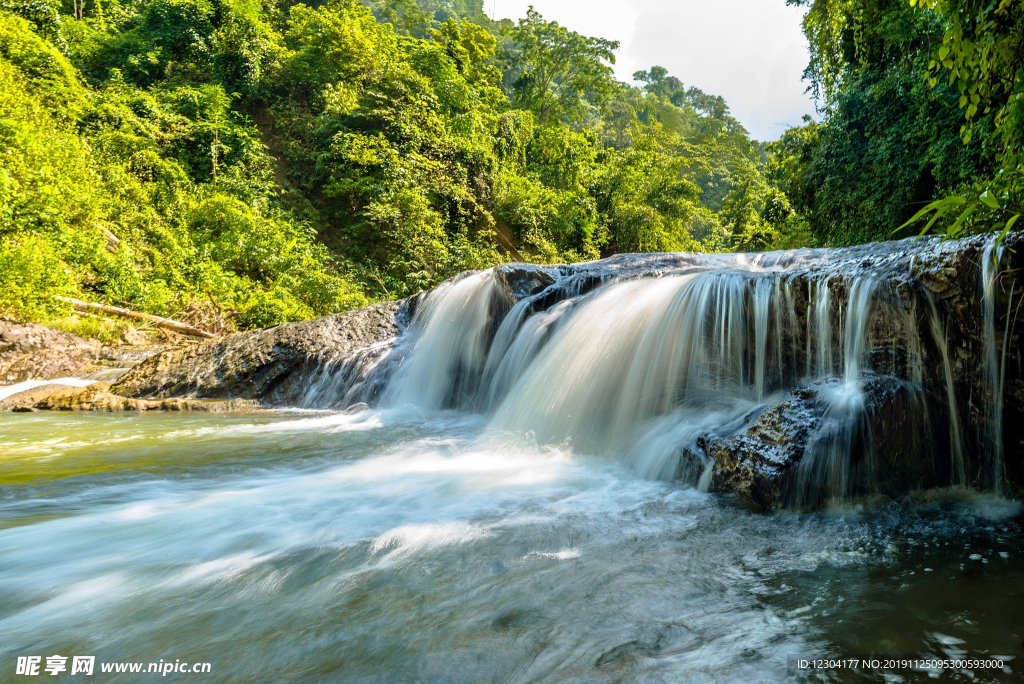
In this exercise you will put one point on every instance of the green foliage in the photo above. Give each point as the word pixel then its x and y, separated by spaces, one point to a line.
pixel 789 159
pixel 44 16
pixel 557 73
pixel 114 195
pixel 647 198
pixel 892 140
pixel 287 161
pixel 30 273
pixel 38 64
pixel 983 53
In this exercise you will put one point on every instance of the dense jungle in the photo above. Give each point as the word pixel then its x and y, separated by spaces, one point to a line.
pixel 244 164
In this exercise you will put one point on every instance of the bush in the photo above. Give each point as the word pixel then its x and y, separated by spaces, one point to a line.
pixel 30 275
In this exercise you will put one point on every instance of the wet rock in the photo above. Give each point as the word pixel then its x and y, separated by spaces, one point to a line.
pixel 759 463
pixel 788 455
pixel 273 364
pixel 519 281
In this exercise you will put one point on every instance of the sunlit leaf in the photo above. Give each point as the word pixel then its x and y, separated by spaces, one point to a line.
pixel 988 200
pixel 1002 236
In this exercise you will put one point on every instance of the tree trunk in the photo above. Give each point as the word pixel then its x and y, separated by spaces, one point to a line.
pixel 175 326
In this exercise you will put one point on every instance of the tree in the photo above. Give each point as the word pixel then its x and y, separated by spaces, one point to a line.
pixel 983 54
pixel 888 143
pixel 556 72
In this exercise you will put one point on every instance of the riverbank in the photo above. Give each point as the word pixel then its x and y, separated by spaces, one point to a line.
pixel 47 369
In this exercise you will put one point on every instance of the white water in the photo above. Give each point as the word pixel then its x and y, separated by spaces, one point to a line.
pixel 298 547
pixel 994 359
pixel 449 347
pixel 412 560
pixel 11 390
pixel 858 312
pixel 823 328
pixel 639 369
pixel 634 372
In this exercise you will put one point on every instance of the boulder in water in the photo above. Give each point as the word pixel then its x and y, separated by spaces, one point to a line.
pixel 827 441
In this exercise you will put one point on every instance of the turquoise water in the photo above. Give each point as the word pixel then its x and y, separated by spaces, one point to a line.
pixel 378 547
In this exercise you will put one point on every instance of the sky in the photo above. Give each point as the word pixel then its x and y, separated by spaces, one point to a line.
pixel 751 52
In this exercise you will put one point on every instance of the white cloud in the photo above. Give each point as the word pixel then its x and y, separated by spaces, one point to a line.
pixel 751 52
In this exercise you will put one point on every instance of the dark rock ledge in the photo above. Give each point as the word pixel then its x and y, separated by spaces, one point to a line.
pixel 272 365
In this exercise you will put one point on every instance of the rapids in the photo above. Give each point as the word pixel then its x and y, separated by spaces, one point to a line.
pixel 376 546
pixel 519 487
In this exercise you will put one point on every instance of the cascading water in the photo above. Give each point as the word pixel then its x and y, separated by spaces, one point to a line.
pixel 957 467
pixel 642 361
pixel 762 298
pixel 823 328
pixel 495 533
pixel 631 355
pixel 449 347
pixel 994 359
pixel 827 464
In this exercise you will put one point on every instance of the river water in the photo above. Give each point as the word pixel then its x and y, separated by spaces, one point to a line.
pixel 382 546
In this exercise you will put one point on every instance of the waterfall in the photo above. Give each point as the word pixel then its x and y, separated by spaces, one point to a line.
pixel 643 366
pixel 994 363
pixel 762 299
pixel 442 367
pixel 857 317
pixel 823 328
pixel 519 339
pixel 955 434
pixel 632 355
pixel 826 466
pixel 643 359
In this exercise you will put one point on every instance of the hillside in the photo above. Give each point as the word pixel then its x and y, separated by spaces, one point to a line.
pixel 237 165
pixel 242 165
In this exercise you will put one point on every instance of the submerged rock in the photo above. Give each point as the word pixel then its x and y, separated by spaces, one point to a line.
pixel 758 463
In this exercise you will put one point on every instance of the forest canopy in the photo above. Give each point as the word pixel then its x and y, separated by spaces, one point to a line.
pixel 277 161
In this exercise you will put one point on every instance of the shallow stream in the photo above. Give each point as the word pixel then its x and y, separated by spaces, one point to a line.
pixel 381 546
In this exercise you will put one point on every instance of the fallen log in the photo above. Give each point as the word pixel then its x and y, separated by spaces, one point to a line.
pixel 159 321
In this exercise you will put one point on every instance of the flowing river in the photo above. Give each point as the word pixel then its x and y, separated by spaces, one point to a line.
pixel 377 546
pixel 519 488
